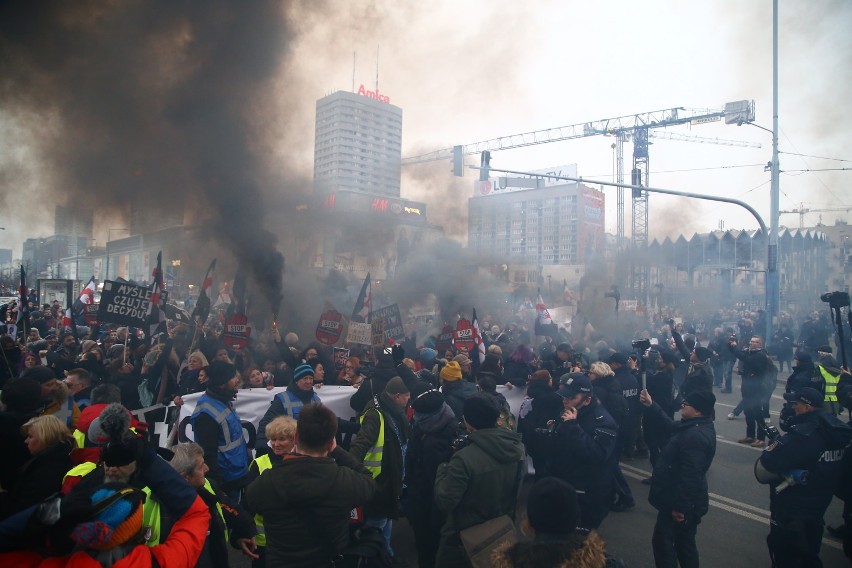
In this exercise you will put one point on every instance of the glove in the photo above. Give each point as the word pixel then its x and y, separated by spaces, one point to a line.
pixel 398 354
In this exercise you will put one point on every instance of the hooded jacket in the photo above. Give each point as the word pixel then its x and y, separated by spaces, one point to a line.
pixel 480 482
pixel 306 502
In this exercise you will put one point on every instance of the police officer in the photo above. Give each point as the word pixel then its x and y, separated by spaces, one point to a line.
pixel 807 461
pixel 586 455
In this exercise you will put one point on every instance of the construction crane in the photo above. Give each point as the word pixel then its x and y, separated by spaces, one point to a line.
pixel 636 128
pixel 802 210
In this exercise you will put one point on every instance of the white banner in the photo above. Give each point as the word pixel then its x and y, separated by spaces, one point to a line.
pixel 252 404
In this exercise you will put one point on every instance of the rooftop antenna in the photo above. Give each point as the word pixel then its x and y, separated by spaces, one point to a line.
pixel 354 60
pixel 377 69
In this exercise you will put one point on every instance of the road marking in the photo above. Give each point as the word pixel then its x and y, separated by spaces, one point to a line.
pixel 727 504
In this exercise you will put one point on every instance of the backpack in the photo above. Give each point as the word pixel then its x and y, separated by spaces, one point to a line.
pixel 367 550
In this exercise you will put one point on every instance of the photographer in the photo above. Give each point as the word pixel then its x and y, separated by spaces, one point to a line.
pixel 755 366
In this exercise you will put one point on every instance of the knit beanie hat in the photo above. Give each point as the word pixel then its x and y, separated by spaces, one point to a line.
pixel 396 386
pixel 462 359
pixel 451 372
pixel 115 517
pixel 220 372
pixel 88 345
pixel 703 353
pixel 427 355
pixel 702 401
pixel 428 402
pixel 480 411
pixel 303 371
pixel 552 507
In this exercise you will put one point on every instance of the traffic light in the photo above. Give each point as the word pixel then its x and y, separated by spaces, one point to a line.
pixel 458 161
pixel 485 166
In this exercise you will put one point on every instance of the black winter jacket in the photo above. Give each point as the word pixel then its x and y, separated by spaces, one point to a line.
pixel 585 456
pixel 609 392
pixel 306 503
pixel 679 482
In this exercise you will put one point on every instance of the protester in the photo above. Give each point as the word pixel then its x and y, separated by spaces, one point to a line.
pixel 298 394
pixel 306 501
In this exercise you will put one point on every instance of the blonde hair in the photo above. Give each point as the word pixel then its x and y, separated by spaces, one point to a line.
pixel 496 349
pixel 199 354
pixel 49 429
pixel 601 369
pixel 282 428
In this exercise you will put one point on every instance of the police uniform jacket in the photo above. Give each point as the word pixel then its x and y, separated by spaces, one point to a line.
pixel 808 446
pixel 609 392
pixel 585 456
pixel 679 482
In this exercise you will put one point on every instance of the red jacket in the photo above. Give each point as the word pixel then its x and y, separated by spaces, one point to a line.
pixel 181 548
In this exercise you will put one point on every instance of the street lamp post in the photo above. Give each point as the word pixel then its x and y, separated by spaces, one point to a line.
pixel 109 238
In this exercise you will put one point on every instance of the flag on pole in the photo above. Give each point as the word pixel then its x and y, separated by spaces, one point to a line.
pixel 478 346
pixel 364 305
pixel 156 313
pixel 202 305
pixel 87 298
pixel 543 323
pixel 238 293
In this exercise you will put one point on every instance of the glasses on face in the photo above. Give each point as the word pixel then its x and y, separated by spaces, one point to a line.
pixel 684 404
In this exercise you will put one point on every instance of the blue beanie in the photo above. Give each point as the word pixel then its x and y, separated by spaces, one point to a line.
pixel 302 371
pixel 427 355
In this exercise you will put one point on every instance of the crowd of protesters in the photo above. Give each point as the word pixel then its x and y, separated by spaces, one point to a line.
pixel 435 440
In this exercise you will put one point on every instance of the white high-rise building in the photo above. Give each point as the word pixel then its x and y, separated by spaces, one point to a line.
pixel 358 144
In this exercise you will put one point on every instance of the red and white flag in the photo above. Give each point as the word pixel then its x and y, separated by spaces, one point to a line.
pixel 362 312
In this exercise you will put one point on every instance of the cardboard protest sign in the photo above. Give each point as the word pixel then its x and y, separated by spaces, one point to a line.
pixel 392 319
pixel 358 333
pixel 90 314
pixel 124 304
pixel 445 340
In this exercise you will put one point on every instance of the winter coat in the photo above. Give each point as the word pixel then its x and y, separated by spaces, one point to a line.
pixel 809 445
pixel 629 390
pixel 455 393
pixel 699 378
pixel 556 551
pixel 40 477
pixel 585 456
pixel 679 482
pixel 306 502
pixel 12 447
pixel 755 365
pixel 609 392
pixel 207 433
pixel 804 376
pixel 276 409
pixel 517 373
pixel 660 386
pixel 385 502
pixel 542 405
pixel 480 482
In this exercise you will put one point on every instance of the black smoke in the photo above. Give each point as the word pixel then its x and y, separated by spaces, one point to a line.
pixel 168 100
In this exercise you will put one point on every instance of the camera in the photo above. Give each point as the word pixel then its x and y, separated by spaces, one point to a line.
pixel 641 344
pixel 836 299
pixel 549 431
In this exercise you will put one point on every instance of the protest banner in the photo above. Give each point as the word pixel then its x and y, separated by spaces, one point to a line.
pixel 251 404
pixel 123 303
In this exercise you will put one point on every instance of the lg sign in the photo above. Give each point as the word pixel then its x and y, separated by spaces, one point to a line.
pixel 373 94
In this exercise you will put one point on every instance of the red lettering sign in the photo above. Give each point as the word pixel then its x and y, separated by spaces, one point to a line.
pixel 329 327
pixel 236 333
pixel 463 336
pixel 376 95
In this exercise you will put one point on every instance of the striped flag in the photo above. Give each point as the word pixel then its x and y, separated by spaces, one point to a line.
pixel 479 345
pixel 87 297
pixel 156 314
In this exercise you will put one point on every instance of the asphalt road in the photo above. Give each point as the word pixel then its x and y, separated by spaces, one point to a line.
pixel 731 535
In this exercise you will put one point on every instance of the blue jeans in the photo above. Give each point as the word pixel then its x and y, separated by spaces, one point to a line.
pixel 384 524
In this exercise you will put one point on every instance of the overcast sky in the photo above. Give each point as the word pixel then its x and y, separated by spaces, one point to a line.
pixel 469 71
